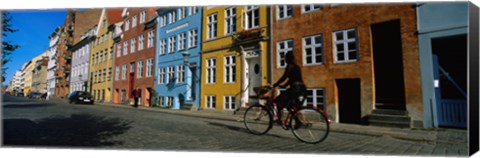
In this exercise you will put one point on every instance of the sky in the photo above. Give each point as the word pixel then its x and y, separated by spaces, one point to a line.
pixel 34 27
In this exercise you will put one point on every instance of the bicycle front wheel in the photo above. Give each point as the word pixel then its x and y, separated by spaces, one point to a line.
pixel 257 119
pixel 309 125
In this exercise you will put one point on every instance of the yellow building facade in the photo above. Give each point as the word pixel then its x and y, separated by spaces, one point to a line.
pixel 235 50
pixel 29 73
pixel 101 61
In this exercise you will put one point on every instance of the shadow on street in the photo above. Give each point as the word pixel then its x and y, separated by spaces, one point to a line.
pixel 23 105
pixel 239 129
pixel 78 130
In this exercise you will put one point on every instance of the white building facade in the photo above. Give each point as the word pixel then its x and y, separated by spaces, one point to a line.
pixel 52 63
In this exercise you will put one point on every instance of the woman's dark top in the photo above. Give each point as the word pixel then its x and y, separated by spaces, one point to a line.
pixel 294 75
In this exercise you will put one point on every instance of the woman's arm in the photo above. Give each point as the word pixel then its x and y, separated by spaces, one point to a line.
pixel 284 76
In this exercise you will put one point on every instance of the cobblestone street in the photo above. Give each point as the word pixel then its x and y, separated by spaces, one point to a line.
pixel 33 123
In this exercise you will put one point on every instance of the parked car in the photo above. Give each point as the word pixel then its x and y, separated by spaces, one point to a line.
pixel 80 97
pixel 35 95
pixel 20 94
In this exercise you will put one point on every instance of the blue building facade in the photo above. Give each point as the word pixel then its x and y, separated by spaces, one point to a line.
pixel 442 37
pixel 177 79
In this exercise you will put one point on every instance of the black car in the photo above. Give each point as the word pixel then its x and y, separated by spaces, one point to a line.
pixel 80 97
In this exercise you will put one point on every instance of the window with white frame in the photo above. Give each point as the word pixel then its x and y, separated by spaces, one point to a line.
pixel 310 7
pixel 143 16
pixel 211 70
pixel 169 101
pixel 192 35
pixel 127 25
pixel 124 71
pixel 161 75
pixel 230 20
pixel 125 47
pixel 316 97
pixel 170 74
pixel 151 40
pixel 182 13
pixel 252 17
pixel 119 50
pixel 229 102
pixel 133 45
pixel 284 11
pixel 163 21
pixel 345 46
pixel 104 75
pixel 140 69
pixel 171 44
pixel 193 10
pixel 105 54
pixel 149 67
pixel 140 42
pixel 160 101
pixel 230 69
pixel 180 73
pixel 163 46
pixel 181 41
pixel 100 59
pixel 210 101
pixel 212 26
pixel 96 58
pixel 283 48
pixel 134 21
pixel 172 16
pixel 110 74
pixel 312 49
pixel 132 67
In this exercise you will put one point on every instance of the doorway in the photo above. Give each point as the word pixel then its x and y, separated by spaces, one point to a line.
pixel 254 76
pixel 349 102
pixel 388 65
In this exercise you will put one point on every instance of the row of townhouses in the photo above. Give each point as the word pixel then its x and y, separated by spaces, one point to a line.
pixel 380 64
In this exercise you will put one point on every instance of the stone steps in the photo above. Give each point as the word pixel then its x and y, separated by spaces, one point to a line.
pixel 390 118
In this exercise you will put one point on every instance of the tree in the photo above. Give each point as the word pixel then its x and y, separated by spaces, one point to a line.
pixel 7 46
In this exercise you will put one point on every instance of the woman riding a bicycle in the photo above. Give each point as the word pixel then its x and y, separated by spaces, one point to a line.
pixel 295 84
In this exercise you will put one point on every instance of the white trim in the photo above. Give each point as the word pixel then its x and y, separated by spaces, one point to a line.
pixel 345 40
pixel 231 66
pixel 284 51
pixel 230 104
pixel 285 12
pixel 312 8
pixel 232 19
pixel 313 47
pixel 210 101
pixel 212 26
pixel 210 64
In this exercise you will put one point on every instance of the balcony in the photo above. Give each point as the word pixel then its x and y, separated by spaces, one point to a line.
pixel 248 35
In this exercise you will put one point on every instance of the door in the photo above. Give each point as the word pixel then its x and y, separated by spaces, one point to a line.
pixel 388 65
pixel 254 76
pixel 349 106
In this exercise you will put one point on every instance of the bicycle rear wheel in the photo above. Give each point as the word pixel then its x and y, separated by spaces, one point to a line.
pixel 257 119
pixel 309 125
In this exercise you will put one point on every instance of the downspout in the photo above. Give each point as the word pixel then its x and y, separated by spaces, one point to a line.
pixel 270 55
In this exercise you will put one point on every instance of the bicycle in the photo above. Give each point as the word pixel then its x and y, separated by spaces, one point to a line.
pixel 307 123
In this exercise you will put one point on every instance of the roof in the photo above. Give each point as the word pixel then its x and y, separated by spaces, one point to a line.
pixel 114 15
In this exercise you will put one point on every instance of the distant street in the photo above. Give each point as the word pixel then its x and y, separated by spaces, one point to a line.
pixel 33 123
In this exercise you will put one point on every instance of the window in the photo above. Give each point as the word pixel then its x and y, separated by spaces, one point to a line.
pixel 119 50
pixel 182 13
pixel 284 11
pixel 211 99
pixel 180 73
pixel 107 36
pixel 169 101
pixel 309 8
pixel 104 23
pixel 143 16
pixel 140 69
pixel 105 55
pixel 212 26
pixel 163 21
pixel 193 10
pixel 230 21
pixel 252 17
pixel 124 71
pixel 181 41
pixel 133 45
pixel 100 59
pixel 345 45
pixel 229 102
pixel 96 58
pixel 140 42
pixel 312 50
pixel 102 39
pixel 163 46
pixel 171 73
pixel 172 17
pixel 150 40
pixel 171 44
pixel 104 75
pixel 111 52
pixel 283 48
pixel 127 25
pixel 211 70
pixel 161 75
pixel 316 97
pixel 149 67
pixel 192 35
pixel 125 47
pixel 230 69
pixel 160 101
pixel 132 67
pixel 109 74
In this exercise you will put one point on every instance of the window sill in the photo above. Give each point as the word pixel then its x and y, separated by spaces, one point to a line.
pixel 284 18
pixel 314 64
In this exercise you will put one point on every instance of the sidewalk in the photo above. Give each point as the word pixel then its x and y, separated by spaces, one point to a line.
pixel 448 136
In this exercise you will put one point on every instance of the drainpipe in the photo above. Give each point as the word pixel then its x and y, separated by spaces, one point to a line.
pixel 270 55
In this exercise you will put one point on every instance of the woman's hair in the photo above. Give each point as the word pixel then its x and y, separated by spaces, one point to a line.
pixel 289 58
